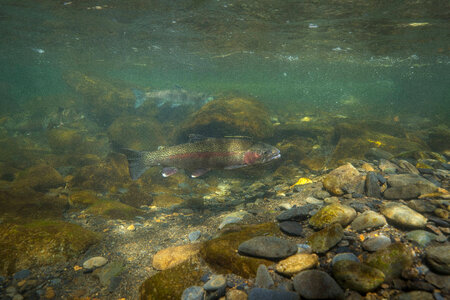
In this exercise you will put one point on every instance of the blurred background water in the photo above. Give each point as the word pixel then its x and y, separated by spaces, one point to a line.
pixel 297 54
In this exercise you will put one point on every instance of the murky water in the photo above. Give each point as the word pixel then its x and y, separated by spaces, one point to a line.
pixel 324 81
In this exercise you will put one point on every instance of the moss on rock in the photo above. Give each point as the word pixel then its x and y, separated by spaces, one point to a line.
pixel 170 283
pixel 41 242
pixel 221 253
pixel 234 116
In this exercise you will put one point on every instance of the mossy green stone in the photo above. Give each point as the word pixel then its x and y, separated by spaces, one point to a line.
pixel 221 253
pixel 325 239
pixel 113 210
pixel 357 276
pixel 41 243
pixel 391 260
pixel 170 283
pixel 333 213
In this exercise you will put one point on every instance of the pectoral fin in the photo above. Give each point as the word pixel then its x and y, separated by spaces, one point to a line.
pixel 199 172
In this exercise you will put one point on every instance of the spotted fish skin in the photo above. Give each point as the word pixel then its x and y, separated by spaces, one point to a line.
pixel 202 155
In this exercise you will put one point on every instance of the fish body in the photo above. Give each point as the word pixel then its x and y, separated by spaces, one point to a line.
pixel 202 156
pixel 172 98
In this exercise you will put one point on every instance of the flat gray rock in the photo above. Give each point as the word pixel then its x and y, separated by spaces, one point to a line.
pixel 297 213
pixel 421 237
pixel 438 257
pixel 315 284
pixel 408 186
pixel 266 294
pixel 376 243
pixel 193 293
pixel 269 247
pixel 263 278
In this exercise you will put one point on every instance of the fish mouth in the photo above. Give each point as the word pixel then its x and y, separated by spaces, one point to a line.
pixel 275 155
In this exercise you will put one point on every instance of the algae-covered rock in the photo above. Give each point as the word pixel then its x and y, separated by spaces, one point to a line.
pixel 134 132
pixel 103 99
pixel 297 263
pixel 333 213
pixel 40 177
pixel 391 260
pixel 224 117
pixel 357 276
pixel 24 204
pixel 344 179
pixel 41 243
pixel 170 283
pixel 64 139
pixel 355 139
pixel 113 210
pixel 103 175
pixel 221 253
pixel 173 256
pixel 83 198
pixel 438 257
pixel 326 238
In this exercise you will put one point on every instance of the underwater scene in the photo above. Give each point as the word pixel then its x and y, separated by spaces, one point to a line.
pixel 224 149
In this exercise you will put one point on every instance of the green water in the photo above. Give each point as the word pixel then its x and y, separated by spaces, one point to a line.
pixel 390 56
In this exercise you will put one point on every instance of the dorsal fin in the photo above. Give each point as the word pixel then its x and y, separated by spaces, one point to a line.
pixel 193 137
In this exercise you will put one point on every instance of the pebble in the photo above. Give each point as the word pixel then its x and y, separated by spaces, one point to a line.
pixel 387 167
pixel 344 256
pixel 303 248
pixel 357 276
pixel 193 293
pixel 269 247
pixel 216 282
pixel 22 274
pixel 368 220
pixel 421 206
pixel 266 294
pixel 296 213
pixel 344 179
pixel 194 235
pixel 314 201
pixel 438 258
pixel 263 278
pixel 441 281
pixel 297 263
pixel 234 294
pixel 10 291
pixel 109 274
pixel 95 262
pixel 233 217
pixel 131 227
pixel 316 284
pixel 421 237
pixel 414 295
pixel 372 185
pixel 291 228
pixel 326 238
pixel 376 243
pixel 320 194
pixel 285 206
pixel 402 215
pixel 333 213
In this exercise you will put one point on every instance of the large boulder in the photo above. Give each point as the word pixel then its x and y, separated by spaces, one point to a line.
pixel 229 117
pixel 344 179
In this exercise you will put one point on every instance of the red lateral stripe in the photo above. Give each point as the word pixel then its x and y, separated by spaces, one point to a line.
pixel 202 154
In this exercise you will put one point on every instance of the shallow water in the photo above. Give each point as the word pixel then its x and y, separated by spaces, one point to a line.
pixel 326 72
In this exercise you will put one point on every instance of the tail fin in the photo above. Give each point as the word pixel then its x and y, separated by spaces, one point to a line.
pixel 136 162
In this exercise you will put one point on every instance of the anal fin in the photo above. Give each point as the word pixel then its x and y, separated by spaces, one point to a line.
pixel 169 171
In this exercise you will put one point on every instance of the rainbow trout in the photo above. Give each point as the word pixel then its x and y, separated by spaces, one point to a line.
pixel 201 156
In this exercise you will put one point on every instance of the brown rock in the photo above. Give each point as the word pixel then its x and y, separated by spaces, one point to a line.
pixel 172 256
pixel 297 263
pixel 344 179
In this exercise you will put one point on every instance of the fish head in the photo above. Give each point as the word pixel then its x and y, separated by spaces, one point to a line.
pixel 260 153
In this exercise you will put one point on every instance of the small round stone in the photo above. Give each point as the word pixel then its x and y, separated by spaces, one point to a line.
pixel 194 235
pixel 193 293
pixel 291 228
pixel 376 243
pixel 95 262
pixel 216 282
